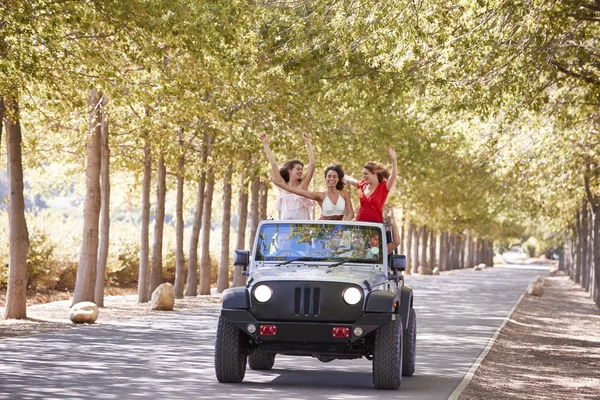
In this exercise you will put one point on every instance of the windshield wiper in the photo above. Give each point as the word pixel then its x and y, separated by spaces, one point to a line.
pixel 306 258
pixel 352 260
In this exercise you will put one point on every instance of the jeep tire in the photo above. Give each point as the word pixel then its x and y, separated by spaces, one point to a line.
pixel 230 352
pixel 261 360
pixel 387 356
pixel 409 356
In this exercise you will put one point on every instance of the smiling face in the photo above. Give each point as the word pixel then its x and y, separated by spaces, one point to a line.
pixel 332 178
pixel 296 172
pixel 370 177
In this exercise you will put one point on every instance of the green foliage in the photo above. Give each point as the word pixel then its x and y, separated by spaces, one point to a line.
pixel 531 246
pixel 42 266
pixel 123 265
pixel 491 106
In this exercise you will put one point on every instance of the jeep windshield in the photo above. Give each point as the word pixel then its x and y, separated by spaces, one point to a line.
pixel 288 242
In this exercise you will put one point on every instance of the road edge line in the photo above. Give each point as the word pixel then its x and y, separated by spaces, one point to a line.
pixel 475 366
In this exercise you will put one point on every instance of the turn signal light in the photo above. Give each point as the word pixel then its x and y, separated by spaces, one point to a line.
pixel 268 330
pixel 341 332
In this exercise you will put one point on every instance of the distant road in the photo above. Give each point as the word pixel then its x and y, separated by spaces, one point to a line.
pixel 172 357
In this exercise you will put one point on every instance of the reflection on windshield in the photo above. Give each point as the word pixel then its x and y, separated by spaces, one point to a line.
pixel 327 242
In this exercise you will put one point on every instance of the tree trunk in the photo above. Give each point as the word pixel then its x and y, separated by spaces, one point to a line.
pixel 432 249
pixel 143 281
pixel 577 272
pixel 254 215
pixel 104 209
pixel 159 225
pixel 409 261
pixel 1 116
pixel 16 296
pixel 480 248
pixel 595 207
pixel 238 278
pixel 584 245
pixel 461 252
pixel 590 254
pixel 88 258
pixel 449 251
pixel 424 247
pixel 469 248
pixel 415 248
pixel 596 282
pixel 180 274
pixel 192 279
pixel 402 233
pixel 206 221
pixel 223 279
pixel 263 196
pixel 443 250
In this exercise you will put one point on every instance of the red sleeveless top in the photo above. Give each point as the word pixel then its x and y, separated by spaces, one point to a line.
pixel 371 208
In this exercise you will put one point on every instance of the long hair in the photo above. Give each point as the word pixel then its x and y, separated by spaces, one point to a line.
pixel 379 169
pixel 284 171
pixel 340 172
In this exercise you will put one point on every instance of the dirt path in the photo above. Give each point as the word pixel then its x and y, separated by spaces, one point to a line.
pixel 550 349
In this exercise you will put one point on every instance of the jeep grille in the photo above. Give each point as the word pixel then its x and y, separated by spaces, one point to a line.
pixel 307 301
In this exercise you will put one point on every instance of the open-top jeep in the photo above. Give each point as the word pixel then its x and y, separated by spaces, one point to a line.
pixel 326 289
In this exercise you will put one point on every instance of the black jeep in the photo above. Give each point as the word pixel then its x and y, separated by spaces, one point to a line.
pixel 325 289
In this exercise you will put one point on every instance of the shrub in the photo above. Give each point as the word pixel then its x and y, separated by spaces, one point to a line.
pixel 123 265
pixel 42 266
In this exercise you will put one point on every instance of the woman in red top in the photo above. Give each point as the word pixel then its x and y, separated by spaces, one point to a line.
pixel 374 188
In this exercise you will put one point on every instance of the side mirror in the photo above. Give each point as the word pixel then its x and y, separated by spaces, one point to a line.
pixel 398 262
pixel 242 258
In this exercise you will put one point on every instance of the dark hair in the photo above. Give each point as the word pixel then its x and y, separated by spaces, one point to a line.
pixel 284 171
pixel 340 172
pixel 379 169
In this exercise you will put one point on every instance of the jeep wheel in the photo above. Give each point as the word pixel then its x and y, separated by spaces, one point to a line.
pixel 230 353
pixel 409 354
pixel 387 356
pixel 261 360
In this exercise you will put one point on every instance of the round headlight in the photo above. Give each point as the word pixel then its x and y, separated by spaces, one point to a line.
pixel 263 293
pixel 352 295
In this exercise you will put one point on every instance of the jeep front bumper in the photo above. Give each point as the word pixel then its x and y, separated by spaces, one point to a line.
pixel 306 332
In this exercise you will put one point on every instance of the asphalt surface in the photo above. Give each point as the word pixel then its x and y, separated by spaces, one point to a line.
pixel 172 357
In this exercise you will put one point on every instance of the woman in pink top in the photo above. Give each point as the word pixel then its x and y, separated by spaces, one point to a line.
pixel 374 188
pixel 291 205
pixel 335 202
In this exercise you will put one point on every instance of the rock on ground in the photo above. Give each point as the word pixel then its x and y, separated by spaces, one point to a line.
pixel 163 297
pixel 84 312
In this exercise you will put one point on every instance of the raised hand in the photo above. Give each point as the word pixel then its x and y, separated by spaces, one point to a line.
pixel 263 137
pixel 392 153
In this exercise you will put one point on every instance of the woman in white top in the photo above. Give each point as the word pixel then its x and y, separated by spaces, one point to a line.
pixel 291 205
pixel 335 202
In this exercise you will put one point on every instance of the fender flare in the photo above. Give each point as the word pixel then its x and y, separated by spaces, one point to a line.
pixel 406 303
pixel 236 298
pixel 381 301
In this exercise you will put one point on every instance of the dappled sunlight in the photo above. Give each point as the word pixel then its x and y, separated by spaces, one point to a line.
pixel 170 356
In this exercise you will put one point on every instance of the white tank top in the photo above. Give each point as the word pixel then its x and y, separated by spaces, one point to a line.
pixel 329 209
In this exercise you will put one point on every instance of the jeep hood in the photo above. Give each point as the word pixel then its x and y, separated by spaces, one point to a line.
pixel 306 273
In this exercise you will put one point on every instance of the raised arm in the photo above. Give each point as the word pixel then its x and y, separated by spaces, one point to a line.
pixel 274 167
pixel 392 179
pixel 348 210
pixel 318 196
pixel 310 168
pixel 350 181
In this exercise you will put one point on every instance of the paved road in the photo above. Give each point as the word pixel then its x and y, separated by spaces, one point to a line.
pixel 172 357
